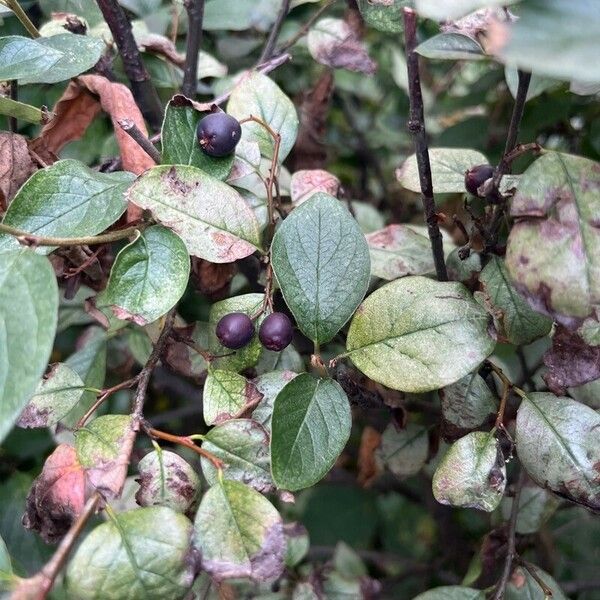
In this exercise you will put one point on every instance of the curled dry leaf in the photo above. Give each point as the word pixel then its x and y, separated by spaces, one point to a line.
pixel 212 279
pixel 81 102
pixel 307 182
pixel 159 44
pixel 570 361
pixel 57 496
pixel 367 465
pixel 335 43
pixel 15 166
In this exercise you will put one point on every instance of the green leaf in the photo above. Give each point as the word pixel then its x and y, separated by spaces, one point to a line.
pixel 83 8
pixel 166 479
pixel 558 441
pixel 66 200
pixel 448 167
pixel 6 570
pixel 515 320
pixel 259 96
pixel 451 592
pixel 472 473
pixel 298 543
pixel 103 449
pixel 311 425
pixel 243 445
pixel 47 59
pixel 453 9
pixel 397 251
pixel 466 405
pixel 269 385
pixel 28 315
pixel 416 334
pixel 404 452
pixel 554 38
pixel 522 586
pixel 553 252
pixel 384 16
pixel 20 110
pixel 141 553
pixel 321 261
pixel 451 46
pixel 536 506
pixel 213 220
pixel 239 15
pixel 537 86
pixel 236 360
pixel 55 396
pixel 239 533
pixel 180 145
pixel 226 395
pixel 148 276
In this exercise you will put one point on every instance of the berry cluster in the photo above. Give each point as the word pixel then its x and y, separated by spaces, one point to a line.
pixel 235 331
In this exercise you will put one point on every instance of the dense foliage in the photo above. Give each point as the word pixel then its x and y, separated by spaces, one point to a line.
pixel 299 299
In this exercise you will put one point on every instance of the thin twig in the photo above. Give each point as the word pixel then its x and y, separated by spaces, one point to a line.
pixel 511 544
pixel 269 48
pixel 187 442
pixel 142 87
pixel 131 129
pixel 304 29
pixel 14 95
pixel 416 126
pixel 22 16
pixel 195 12
pixel 30 239
pixel 139 398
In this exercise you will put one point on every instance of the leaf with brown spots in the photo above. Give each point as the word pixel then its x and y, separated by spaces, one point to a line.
pixel 15 166
pixel 570 361
pixel 57 496
pixel 307 182
pixel 81 102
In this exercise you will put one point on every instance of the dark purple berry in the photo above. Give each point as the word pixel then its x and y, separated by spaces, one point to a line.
pixel 218 134
pixel 235 330
pixel 476 176
pixel 276 332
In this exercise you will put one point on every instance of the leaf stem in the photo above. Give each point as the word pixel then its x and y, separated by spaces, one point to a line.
pixel 269 48
pixel 416 126
pixel 131 129
pixel 30 239
pixel 22 16
pixel 195 12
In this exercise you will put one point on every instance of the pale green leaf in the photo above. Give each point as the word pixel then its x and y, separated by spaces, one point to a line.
pixel 243 446
pixel 558 441
pixel 239 533
pixel 269 385
pixel 523 586
pixel 259 96
pixel 55 396
pixel 454 9
pixel 20 110
pixel 415 334
pixel 384 16
pixel 472 473
pixel 180 144
pixel 536 506
pixel 404 452
pixel 321 261
pixel 298 543
pixel 28 315
pixel 451 46
pixel 141 554
pixel 451 592
pixel 66 199
pixel 213 220
pixel 310 427
pixel 448 167
pixel 136 289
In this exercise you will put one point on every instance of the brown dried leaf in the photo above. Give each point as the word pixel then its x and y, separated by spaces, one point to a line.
pixel 367 465
pixel 57 495
pixel 83 99
pixel 15 166
pixel 570 361
pixel 212 279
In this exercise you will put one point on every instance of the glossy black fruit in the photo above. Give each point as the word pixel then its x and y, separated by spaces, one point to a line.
pixel 276 332
pixel 218 134
pixel 235 330
pixel 476 177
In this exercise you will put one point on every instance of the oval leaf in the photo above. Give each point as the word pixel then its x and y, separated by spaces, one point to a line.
pixel 239 533
pixel 416 334
pixel 258 96
pixel 66 200
pixel 453 9
pixel 558 441
pixel 269 385
pixel 536 506
pixel 145 552
pixel 311 425
pixel 451 592
pixel 213 220
pixel 404 452
pixel 523 586
pixel 321 261
pixel 451 46
pixel 384 15
pixel 448 166
pixel 28 316
pixel 472 473
pixel 243 445
pixel 136 289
